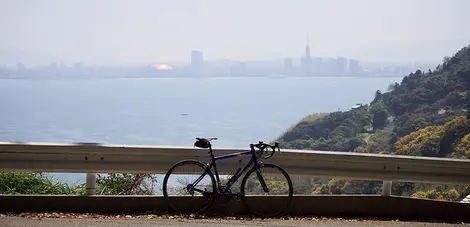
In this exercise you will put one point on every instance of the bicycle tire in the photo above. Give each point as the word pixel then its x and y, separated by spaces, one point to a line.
pixel 171 203
pixel 290 194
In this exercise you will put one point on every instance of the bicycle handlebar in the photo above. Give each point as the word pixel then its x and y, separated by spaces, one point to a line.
pixel 262 146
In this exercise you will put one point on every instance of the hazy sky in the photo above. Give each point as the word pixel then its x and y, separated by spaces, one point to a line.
pixel 106 31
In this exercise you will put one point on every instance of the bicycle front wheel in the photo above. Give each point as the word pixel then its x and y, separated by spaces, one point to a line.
pixel 267 191
pixel 188 187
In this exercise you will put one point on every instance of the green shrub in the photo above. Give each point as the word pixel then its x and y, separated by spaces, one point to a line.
pixel 35 183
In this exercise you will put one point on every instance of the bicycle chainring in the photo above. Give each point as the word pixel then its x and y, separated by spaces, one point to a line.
pixel 225 194
pixel 224 190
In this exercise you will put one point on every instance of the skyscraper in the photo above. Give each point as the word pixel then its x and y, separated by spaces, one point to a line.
pixel 354 67
pixel 341 65
pixel 306 62
pixel 288 67
pixel 307 49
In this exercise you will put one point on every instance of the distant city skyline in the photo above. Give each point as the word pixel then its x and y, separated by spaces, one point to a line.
pixel 303 66
pixel 192 55
pixel 124 32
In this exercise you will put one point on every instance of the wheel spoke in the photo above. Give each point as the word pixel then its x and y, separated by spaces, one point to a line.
pixel 267 192
pixel 187 188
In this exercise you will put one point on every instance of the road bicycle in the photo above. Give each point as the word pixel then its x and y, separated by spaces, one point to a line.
pixel 196 188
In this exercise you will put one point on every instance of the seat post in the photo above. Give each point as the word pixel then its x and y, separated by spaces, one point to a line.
pixel 210 152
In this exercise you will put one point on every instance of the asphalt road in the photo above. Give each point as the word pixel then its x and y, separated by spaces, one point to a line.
pixel 142 222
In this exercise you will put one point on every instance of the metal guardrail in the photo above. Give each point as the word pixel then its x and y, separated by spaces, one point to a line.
pixel 108 158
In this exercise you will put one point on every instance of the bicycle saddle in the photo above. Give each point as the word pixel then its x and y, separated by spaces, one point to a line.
pixel 203 142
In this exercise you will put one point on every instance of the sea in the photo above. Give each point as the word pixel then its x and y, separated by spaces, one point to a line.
pixel 170 111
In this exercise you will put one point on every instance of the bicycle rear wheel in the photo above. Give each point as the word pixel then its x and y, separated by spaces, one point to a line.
pixel 262 203
pixel 188 187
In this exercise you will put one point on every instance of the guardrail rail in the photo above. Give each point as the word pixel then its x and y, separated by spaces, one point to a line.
pixel 108 158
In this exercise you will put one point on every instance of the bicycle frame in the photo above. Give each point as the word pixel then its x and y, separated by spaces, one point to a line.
pixel 234 178
pixel 250 174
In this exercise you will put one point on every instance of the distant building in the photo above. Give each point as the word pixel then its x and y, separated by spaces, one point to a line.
pixel 288 64
pixel 238 70
pixel 197 61
pixel 79 65
pixel 330 67
pixel 357 106
pixel 53 65
pixel 288 67
pixel 341 65
pixel 354 67
pixel 306 62
pixel 20 66
pixel 318 66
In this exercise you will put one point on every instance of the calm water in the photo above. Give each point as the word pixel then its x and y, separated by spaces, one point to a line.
pixel 171 111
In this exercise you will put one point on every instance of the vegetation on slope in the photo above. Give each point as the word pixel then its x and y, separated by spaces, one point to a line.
pixel 437 99
pixel 427 114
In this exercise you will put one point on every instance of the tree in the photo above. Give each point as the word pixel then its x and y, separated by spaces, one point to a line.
pixel 445 61
pixel 378 96
pixel 393 86
pixel 379 115
pixel 125 184
pixel 335 186
pixel 463 148
pixel 424 142
pixel 300 144
pixel 455 130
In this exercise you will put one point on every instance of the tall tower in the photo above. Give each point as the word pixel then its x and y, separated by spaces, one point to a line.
pixel 307 49
pixel 306 62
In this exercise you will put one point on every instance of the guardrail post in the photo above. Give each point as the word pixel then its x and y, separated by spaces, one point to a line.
pixel 90 184
pixel 386 188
